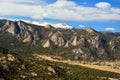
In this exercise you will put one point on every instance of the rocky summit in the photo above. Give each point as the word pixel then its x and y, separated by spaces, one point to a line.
pixel 77 44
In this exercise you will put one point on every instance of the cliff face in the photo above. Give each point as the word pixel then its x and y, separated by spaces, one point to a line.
pixel 20 30
pixel 80 44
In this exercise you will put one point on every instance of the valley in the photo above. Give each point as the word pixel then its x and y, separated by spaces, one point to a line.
pixel 105 66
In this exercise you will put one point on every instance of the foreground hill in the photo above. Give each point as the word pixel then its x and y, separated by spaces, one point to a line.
pixel 17 67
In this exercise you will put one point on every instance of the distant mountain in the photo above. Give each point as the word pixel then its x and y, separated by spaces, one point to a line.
pixel 57 25
pixel 78 44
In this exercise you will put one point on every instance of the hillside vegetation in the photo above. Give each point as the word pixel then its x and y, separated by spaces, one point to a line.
pixel 13 66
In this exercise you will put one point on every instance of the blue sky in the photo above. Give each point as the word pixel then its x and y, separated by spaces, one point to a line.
pixel 102 15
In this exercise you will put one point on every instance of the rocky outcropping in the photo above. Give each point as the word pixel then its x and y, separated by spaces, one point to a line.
pixel 90 30
pixel 114 45
pixel 58 39
pixel 20 30
pixel 46 44
pixel 77 42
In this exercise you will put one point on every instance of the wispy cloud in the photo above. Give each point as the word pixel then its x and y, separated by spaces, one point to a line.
pixel 21 1
pixel 110 29
pixel 82 26
pixel 61 10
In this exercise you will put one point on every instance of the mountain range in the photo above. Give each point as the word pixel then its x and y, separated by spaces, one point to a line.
pixel 34 51
pixel 58 39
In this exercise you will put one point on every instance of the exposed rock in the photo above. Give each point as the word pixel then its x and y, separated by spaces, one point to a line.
pixel 23 66
pixel 21 31
pixel 28 39
pixel 90 30
pixel 97 42
pixel 33 74
pixel 114 44
pixel 10 26
pixel 55 36
pixel 46 44
pixel 76 57
pixel 2 59
pixel 36 38
pixel 23 76
pixel 58 39
pixel 78 51
pixel 82 41
pixel 11 29
pixel 50 34
pixel 48 26
pixel 50 69
pixel 30 29
pixel 101 52
pixel 67 44
pixel 78 41
pixel 74 42
pixel 10 57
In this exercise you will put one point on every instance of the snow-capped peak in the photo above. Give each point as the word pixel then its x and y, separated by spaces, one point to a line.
pixel 62 25
pixel 55 25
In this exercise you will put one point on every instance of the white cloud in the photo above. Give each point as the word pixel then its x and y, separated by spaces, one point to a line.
pixel 82 26
pixel 110 29
pixel 61 10
pixel 30 2
pixel 18 1
pixel 63 3
pixel 103 5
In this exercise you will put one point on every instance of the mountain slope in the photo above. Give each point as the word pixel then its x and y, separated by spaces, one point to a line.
pixel 77 44
pixel 14 66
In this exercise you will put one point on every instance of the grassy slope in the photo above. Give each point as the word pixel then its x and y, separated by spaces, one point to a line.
pixel 62 71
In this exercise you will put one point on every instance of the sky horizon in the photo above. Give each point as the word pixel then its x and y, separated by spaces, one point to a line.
pixel 101 15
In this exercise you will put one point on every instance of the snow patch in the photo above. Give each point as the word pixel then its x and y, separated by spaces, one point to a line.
pixel 56 25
